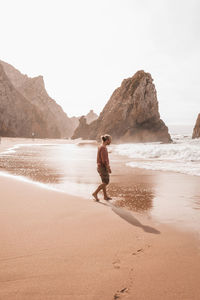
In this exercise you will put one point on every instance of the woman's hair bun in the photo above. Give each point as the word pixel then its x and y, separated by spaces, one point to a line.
pixel 105 137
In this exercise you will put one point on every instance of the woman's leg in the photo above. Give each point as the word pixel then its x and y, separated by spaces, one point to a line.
pixel 100 187
pixel 104 191
pixel 105 179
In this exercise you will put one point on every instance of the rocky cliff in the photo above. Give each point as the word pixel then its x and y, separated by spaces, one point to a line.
pixel 32 90
pixel 131 114
pixel 18 117
pixel 196 130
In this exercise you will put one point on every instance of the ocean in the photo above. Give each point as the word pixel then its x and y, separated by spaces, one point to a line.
pixel 183 155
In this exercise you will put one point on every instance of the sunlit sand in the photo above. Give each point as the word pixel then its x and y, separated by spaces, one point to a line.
pixel 71 247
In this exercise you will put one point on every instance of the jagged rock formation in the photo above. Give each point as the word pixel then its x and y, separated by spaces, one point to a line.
pixel 82 130
pixel 90 117
pixel 196 130
pixel 18 117
pixel 131 114
pixel 32 91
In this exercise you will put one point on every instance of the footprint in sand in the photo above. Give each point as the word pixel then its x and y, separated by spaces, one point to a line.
pixel 120 293
pixel 141 250
pixel 116 264
pixel 138 251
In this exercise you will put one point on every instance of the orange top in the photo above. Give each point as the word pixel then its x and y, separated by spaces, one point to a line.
pixel 102 156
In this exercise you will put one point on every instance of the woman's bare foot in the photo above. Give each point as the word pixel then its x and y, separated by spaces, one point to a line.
pixel 107 198
pixel 95 196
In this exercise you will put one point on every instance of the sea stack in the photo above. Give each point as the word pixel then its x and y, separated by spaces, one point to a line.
pixel 130 115
pixel 90 117
pixel 196 130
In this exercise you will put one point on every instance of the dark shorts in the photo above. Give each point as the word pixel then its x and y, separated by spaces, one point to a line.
pixel 103 172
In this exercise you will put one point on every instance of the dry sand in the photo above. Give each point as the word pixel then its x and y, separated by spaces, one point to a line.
pixel 56 246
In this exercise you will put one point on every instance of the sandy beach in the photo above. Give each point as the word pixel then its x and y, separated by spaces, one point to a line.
pixel 59 246
pixel 100 150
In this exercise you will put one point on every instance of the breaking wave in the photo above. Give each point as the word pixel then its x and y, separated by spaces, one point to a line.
pixel 183 155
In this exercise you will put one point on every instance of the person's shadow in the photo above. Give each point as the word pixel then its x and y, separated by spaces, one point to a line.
pixel 128 217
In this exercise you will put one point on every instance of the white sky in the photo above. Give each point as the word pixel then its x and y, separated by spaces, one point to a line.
pixel 85 48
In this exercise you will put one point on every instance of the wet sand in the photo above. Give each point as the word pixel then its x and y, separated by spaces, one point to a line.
pixel 168 197
pixel 58 246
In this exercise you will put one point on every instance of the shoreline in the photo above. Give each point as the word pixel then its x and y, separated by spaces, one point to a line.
pixel 151 186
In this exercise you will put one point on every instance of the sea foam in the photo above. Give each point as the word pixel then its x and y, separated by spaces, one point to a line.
pixel 181 156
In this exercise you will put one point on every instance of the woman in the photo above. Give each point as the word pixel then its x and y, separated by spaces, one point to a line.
pixel 103 167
